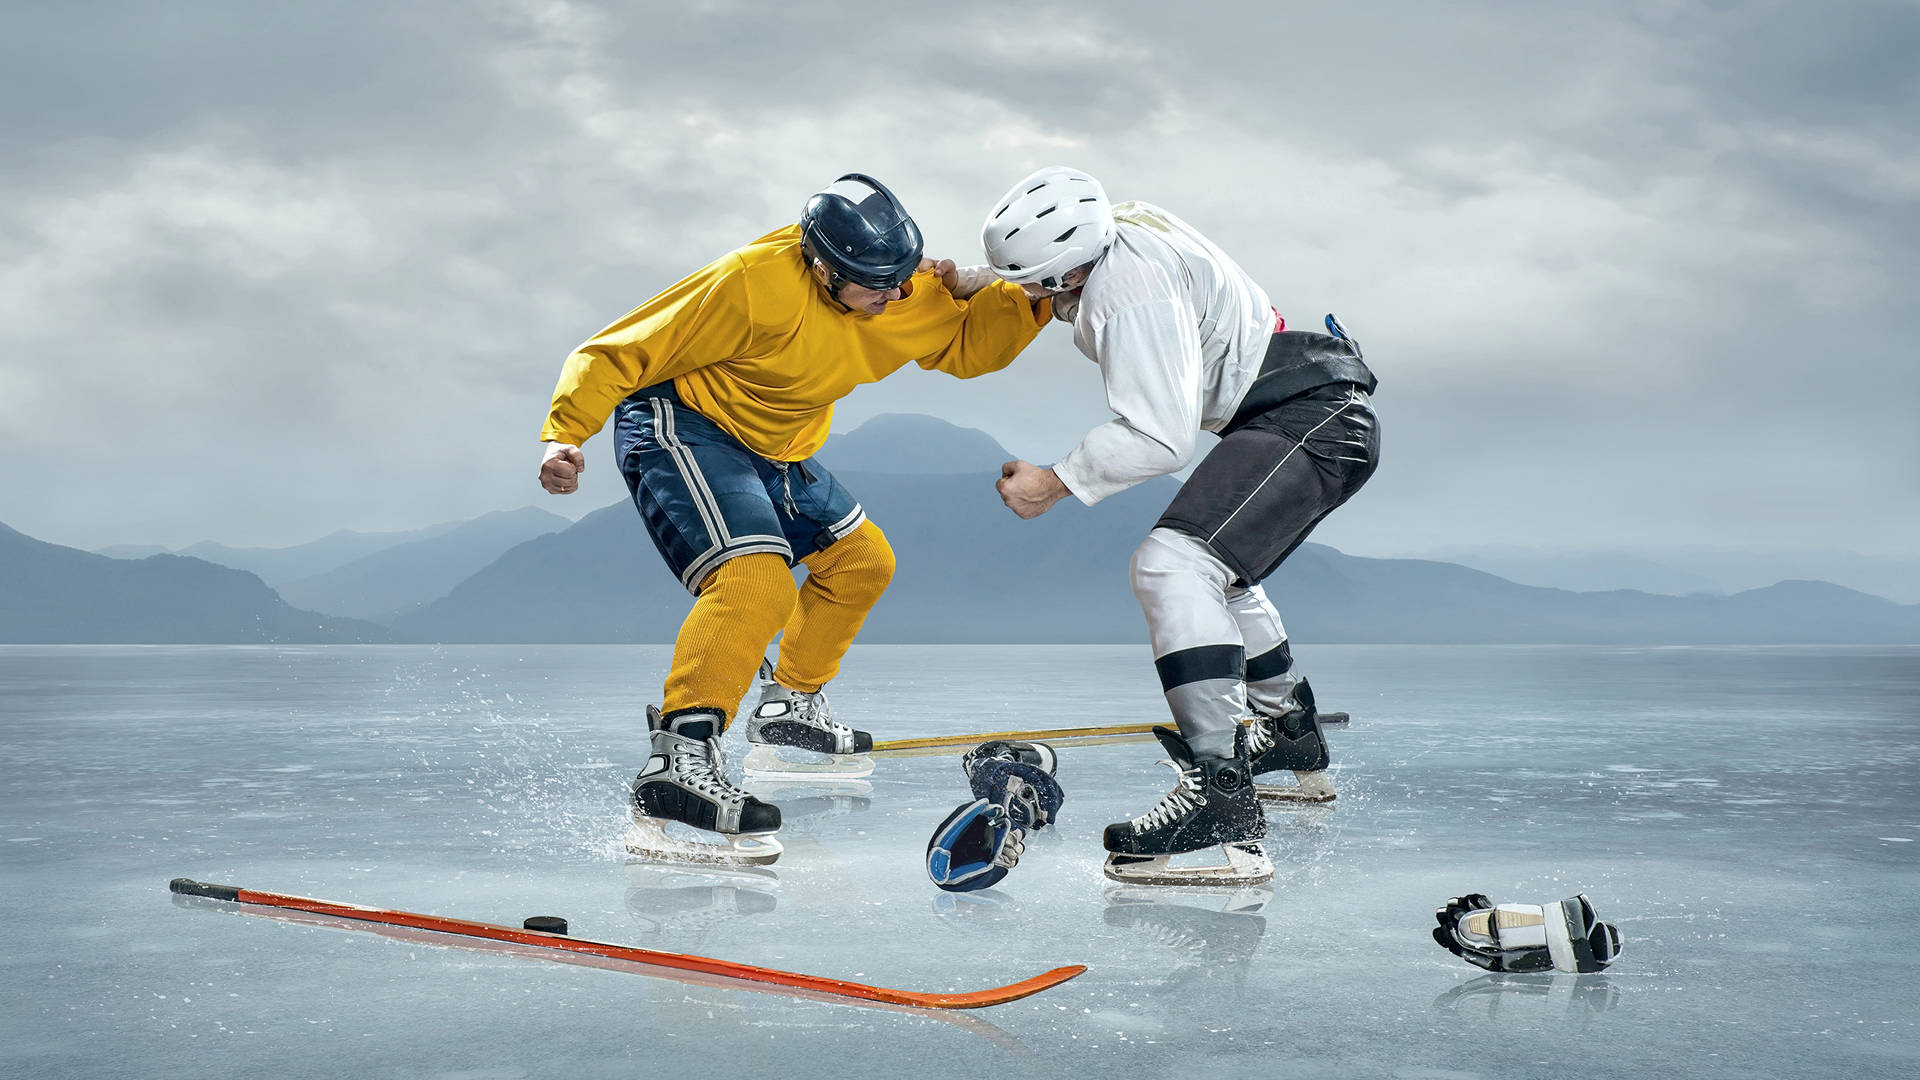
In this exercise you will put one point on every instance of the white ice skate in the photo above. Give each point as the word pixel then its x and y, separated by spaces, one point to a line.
pixel 1211 803
pixel 816 746
pixel 685 782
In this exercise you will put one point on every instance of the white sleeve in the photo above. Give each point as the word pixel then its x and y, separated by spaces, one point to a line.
pixel 972 280
pixel 1150 358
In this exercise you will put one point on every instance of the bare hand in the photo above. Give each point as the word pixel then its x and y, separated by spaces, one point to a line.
pixel 1029 490
pixel 560 470
pixel 948 273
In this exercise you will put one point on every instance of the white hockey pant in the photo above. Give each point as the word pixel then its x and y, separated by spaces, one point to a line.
pixel 1215 644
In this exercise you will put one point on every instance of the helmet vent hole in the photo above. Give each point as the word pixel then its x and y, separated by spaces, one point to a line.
pixel 1062 238
pixel 1015 267
pixel 1089 199
pixel 1047 211
pixel 1015 229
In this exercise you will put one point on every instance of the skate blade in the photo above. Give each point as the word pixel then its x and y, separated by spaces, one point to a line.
pixel 1226 899
pixel 648 874
pixel 1308 789
pixel 647 839
pixel 763 762
pixel 1247 864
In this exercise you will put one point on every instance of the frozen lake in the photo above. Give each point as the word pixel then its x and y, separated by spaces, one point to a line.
pixel 1749 818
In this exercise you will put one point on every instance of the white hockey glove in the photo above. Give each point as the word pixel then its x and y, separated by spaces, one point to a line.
pixel 1564 936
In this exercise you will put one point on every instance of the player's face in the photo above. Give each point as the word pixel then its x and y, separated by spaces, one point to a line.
pixel 1074 278
pixel 859 297
pixel 871 301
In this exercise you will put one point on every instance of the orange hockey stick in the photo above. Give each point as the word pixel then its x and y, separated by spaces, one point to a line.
pixel 998 995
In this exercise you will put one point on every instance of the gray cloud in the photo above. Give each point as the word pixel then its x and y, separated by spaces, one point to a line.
pixel 1627 277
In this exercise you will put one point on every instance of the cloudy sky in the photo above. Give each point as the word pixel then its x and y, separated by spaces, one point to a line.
pixel 1629 278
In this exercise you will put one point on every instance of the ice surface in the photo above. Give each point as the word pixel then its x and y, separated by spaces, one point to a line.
pixel 1743 815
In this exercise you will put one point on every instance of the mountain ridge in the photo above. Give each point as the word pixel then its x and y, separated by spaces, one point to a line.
pixel 969 571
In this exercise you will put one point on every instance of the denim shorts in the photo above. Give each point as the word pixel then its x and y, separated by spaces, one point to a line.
pixel 706 498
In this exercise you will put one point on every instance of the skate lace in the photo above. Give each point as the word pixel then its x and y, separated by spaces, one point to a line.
pixel 1260 734
pixel 707 775
pixel 812 709
pixel 1185 798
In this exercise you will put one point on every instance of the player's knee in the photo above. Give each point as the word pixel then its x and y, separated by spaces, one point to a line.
pixel 1167 558
pixel 862 562
pixel 877 555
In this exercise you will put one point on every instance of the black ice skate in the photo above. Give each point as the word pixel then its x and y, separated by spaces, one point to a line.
pixel 804 722
pixel 685 780
pixel 1212 803
pixel 1294 742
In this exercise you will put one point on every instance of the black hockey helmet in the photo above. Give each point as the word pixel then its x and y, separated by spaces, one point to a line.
pixel 862 233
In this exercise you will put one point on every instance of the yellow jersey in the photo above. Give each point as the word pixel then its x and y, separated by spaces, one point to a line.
pixel 752 342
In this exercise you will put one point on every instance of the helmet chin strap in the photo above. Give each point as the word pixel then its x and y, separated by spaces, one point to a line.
pixel 834 284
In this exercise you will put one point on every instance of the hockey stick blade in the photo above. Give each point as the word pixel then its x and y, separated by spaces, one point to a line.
pixel 1108 733
pixel 998 995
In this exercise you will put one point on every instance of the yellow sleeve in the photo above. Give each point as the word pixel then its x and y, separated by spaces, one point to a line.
pixel 701 320
pixel 1000 321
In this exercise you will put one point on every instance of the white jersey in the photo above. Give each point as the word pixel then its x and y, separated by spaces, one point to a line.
pixel 1179 332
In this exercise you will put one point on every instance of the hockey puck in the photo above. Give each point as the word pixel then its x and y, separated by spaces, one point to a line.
pixel 552 924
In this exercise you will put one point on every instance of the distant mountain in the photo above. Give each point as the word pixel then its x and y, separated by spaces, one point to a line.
pixel 1593 571
pixel 912 443
pixel 278 566
pixel 598 581
pixel 969 572
pixel 398 579
pixel 972 572
pixel 60 595
pixel 133 551
pixel 1327 596
pixel 1681 571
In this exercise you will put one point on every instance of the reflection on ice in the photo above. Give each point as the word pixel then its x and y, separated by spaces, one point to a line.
pixel 681 906
pixel 1541 997
pixel 807 808
pixel 1209 934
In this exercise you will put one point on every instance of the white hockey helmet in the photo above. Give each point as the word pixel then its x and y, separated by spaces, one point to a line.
pixel 1051 222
